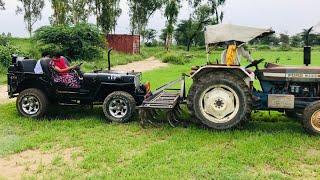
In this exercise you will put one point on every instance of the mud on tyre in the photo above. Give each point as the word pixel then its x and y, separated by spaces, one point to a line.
pixel 221 101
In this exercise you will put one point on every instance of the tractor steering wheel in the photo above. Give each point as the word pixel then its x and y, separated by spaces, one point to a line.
pixel 255 64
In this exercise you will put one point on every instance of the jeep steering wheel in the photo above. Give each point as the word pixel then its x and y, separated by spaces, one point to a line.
pixel 78 71
pixel 255 64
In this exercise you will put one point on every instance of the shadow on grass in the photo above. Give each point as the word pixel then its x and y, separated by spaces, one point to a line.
pixel 58 113
pixel 261 123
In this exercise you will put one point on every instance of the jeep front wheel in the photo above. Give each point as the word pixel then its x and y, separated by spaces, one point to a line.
pixel 119 107
pixel 32 103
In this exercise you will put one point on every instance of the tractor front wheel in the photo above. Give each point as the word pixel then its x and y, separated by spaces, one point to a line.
pixel 222 101
pixel 311 119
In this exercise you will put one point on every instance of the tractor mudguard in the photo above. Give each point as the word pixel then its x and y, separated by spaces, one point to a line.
pixel 237 70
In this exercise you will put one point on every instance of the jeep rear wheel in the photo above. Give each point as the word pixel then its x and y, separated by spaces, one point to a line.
pixel 119 107
pixel 222 101
pixel 32 103
pixel 311 119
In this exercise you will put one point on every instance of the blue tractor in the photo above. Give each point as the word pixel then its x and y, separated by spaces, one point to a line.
pixel 223 97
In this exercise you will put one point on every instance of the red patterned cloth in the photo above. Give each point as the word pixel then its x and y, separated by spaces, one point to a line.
pixel 69 79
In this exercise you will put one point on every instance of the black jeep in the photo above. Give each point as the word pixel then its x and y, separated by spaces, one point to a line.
pixel 118 92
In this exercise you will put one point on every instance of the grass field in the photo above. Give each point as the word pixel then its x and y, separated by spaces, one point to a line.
pixel 271 146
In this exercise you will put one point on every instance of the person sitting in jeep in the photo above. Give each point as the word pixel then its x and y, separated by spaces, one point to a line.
pixel 62 73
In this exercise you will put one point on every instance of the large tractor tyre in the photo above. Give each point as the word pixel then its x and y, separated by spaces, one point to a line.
pixel 32 103
pixel 119 107
pixel 192 92
pixel 311 118
pixel 222 101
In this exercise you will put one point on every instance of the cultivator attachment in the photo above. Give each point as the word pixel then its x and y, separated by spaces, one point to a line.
pixel 165 100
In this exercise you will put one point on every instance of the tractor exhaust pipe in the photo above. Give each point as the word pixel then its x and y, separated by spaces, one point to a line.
pixel 307 49
pixel 109 60
pixel 307 55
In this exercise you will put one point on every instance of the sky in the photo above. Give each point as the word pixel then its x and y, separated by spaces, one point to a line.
pixel 284 16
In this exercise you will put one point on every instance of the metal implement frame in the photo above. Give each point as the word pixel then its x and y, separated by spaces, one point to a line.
pixel 165 101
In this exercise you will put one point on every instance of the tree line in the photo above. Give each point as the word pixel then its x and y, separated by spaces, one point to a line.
pixel 186 32
pixel 107 12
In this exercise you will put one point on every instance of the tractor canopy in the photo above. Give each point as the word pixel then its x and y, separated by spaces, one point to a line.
pixel 221 33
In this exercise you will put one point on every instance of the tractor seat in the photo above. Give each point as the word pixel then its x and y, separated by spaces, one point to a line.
pixel 26 65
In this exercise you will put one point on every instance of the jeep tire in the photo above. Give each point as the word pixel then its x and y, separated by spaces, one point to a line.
pixel 119 107
pixel 32 103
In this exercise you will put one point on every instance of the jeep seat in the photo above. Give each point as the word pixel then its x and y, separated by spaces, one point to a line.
pixel 45 66
pixel 26 65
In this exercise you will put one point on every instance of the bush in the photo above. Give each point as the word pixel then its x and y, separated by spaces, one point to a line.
pixel 83 41
pixel 263 47
pixel 4 40
pixel 285 47
pixel 6 53
pixel 175 59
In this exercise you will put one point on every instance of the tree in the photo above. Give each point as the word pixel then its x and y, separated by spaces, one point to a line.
pixel 188 30
pixel 140 13
pixel 215 8
pixel 107 13
pixel 150 35
pixel 296 40
pixel 60 12
pixel 2 5
pixel 79 10
pixel 284 39
pixel 32 12
pixel 171 12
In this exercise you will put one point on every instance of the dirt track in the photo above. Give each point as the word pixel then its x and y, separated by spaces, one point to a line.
pixel 139 66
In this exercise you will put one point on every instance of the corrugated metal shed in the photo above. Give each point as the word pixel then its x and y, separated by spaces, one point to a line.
pixel 129 44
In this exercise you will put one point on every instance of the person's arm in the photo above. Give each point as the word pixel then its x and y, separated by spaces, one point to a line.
pixel 63 70
pixel 245 54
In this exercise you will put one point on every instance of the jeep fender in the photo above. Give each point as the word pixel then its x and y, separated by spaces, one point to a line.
pixel 236 70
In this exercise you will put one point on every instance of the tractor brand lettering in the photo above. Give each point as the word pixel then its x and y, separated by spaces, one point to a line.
pixel 292 75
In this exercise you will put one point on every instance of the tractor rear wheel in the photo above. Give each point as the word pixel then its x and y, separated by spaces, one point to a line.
pixel 192 92
pixel 311 119
pixel 221 101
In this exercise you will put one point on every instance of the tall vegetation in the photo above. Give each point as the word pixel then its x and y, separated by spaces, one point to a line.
pixel 32 12
pixel 188 30
pixel 79 11
pixel 2 5
pixel 81 41
pixel 140 13
pixel 60 12
pixel 171 13
pixel 107 13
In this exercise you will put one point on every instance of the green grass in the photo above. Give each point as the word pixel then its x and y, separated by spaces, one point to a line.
pixel 266 148
pixel 270 146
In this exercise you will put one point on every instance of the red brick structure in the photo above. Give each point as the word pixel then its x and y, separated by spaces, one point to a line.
pixel 129 44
